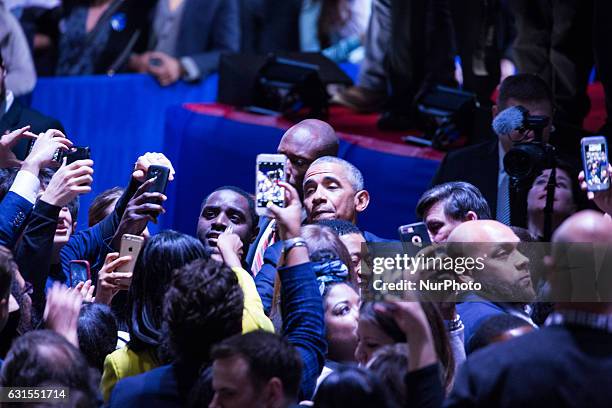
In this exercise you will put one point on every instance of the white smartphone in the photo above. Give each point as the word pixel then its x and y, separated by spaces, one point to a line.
pixel 130 245
pixel 269 170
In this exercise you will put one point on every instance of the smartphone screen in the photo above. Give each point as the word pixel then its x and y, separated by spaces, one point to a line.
pixel 269 173
pixel 595 157
pixel 79 272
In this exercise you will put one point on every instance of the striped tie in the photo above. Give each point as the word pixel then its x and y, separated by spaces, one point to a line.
pixel 503 200
pixel 268 238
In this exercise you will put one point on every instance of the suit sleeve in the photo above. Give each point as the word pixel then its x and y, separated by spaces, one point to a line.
pixel 14 211
pixel 303 321
pixel 225 38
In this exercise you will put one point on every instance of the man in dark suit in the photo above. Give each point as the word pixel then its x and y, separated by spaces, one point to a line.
pixel 482 164
pixel 188 38
pixel 565 364
pixel 14 115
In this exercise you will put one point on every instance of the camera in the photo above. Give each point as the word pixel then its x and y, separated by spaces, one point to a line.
pixel 525 160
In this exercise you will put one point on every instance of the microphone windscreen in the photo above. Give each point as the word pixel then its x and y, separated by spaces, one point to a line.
pixel 508 120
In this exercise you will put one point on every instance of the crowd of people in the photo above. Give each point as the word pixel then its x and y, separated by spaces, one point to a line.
pixel 277 310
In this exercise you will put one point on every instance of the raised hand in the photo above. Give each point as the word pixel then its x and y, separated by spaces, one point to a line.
pixel 288 219
pixel 68 182
pixel 230 248
pixel 111 282
pixel 62 312
pixel 603 199
pixel 44 149
pixel 10 140
pixel 142 165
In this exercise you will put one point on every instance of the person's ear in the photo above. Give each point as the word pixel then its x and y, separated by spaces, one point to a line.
pixel 470 216
pixel 494 110
pixel 74 225
pixel 273 393
pixel 362 200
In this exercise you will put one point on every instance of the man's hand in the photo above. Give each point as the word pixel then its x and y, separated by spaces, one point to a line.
pixel 10 140
pixel 139 62
pixel 44 149
pixel 230 248
pixel 142 165
pixel 411 319
pixel 168 71
pixel 111 282
pixel 603 199
pixel 68 182
pixel 288 219
pixel 142 208
pixel 62 312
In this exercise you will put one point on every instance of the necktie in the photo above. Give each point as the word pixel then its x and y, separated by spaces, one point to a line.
pixel 503 201
pixel 267 239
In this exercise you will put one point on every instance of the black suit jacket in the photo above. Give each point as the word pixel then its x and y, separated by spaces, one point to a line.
pixel 208 28
pixel 557 366
pixel 477 165
pixel 19 116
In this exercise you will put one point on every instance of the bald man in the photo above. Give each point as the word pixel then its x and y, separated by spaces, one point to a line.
pixel 504 278
pixel 567 363
pixel 303 144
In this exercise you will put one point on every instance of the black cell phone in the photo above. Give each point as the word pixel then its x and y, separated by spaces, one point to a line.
pixel 595 162
pixel 23 148
pixel 77 153
pixel 161 174
pixel 415 236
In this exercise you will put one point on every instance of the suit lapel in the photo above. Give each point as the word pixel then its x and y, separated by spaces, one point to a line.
pixel 10 119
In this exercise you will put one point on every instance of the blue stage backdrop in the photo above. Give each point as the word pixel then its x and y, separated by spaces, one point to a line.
pixel 120 118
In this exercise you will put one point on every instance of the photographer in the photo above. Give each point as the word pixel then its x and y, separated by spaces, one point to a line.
pixel 483 164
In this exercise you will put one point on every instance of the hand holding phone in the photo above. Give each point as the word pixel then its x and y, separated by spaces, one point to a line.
pixel 79 272
pixel 161 175
pixel 130 246
pixel 270 170
pixel 414 236
pixel 595 162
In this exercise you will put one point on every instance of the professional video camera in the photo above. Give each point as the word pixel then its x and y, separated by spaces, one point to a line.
pixel 526 159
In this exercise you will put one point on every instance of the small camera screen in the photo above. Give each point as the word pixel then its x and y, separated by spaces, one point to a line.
pixel 268 176
pixel 596 159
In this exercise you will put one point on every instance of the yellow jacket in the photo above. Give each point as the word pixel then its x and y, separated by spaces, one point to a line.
pixel 124 362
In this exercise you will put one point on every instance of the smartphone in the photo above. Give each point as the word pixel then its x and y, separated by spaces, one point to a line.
pixel 595 162
pixel 23 148
pixel 270 169
pixel 79 272
pixel 415 234
pixel 161 174
pixel 130 245
pixel 77 153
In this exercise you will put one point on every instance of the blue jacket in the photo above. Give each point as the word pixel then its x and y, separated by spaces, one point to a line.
pixel 14 211
pixel 155 388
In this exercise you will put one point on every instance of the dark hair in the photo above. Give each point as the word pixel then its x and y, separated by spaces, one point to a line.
pixel 98 207
pixel 162 253
pixel 268 356
pixel 44 357
pixel 97 333
pixel 460 198
pixel 352 387
pixel 7 177
pixel 523 88
pixel 45 175
pixel 580 198
pixel 390 364
pixel 202 306
pixel 8 268
pixel 491 328
pixel 238 190
pixel 341 227
pixel 323 244
pixel 438 329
